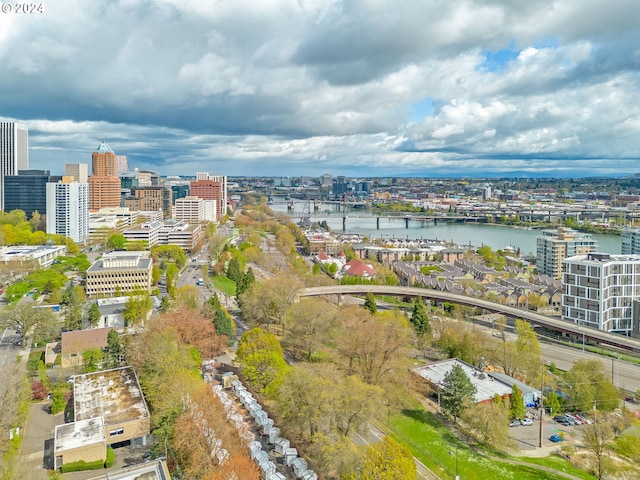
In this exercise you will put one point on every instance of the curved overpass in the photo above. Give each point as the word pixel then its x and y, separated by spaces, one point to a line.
pixel 554 324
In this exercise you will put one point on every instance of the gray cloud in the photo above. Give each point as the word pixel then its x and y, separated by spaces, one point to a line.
pixel 306 86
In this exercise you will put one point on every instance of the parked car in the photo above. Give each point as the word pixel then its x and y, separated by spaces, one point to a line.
pixel 514 423
pixel 570 419
pixel 526 421
pixel 584 418
pixel 555 438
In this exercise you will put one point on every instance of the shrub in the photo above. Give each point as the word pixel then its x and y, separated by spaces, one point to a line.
pixel 39 391
pixel 111 458
pixel 82 465
pixel 58 402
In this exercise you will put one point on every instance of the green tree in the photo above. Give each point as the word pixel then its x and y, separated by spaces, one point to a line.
pixel 552 403
pixel 234 270
pixel 114 352
pixel 261 358
pixel 388 460
pixel 528 349
pixel 117 241
pixel 223 323
pixel 457 392
pixel 28 320
pixel 516 405
pixel 136 308
pixel 165 303
pixel 245 281
pixel 92 358
pixel 156 274
pixel 489 423
pixel 94 314
pixel 370 303
pixel 420 320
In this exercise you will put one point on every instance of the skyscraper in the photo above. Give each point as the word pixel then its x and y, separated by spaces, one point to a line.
pixel 14 152
pixel 68 209
pixel 104 185
pixel 211 187
pixel 27 191
pixel 79 171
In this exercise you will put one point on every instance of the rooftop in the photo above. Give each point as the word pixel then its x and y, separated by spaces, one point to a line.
pixel 486 386
pixel 114 394
pixel 154 470
pixel 69 436
pixel 104 148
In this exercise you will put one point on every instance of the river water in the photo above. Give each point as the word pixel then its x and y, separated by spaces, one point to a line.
pixel 476 234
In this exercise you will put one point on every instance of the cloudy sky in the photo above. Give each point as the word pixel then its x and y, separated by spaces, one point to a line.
pixel 351 87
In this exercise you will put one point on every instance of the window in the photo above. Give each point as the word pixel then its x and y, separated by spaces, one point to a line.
pixel 118 431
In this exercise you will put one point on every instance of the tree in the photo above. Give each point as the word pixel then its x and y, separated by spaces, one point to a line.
pixel 597 438
pixel 117 241
pixel 489 423
pixel 528 349
pixel 309 322
pixel 420 323
pixel 372 344
pixel 261 358
pixel 94 314
pixel 245 282
pixel 457 392
pixel 27 319
pixel 92 358
pixel 268 303
pixel 516 405
pixel 234 270
pixel 552 403
pixel 589 387
pixel 165 303
pixel 114 352
pixel 388 460
pixel 370 303
pixel 136 308
pixel 223 323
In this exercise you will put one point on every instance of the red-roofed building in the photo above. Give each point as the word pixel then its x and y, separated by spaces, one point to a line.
pixel 357 268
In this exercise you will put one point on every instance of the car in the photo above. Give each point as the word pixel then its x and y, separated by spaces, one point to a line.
pixel 514 423
pixel 526 421
pixel 555 438
pixel 570 419
pixel 577 419
pixel 584 418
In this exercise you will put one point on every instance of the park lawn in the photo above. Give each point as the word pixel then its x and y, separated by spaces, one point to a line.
pixel 557 463
pixel 435 446
pixel 224 284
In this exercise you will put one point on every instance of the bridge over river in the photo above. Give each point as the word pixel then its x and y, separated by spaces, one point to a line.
pixel 550 323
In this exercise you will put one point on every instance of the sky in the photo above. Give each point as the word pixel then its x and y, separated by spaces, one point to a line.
pixel 351 87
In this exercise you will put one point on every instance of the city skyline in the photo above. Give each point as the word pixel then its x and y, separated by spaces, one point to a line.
pixel 357 88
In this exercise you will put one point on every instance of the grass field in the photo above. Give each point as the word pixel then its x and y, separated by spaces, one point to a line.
pixel 435 446
pixel 225 285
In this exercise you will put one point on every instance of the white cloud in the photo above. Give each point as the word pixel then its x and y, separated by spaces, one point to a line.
pixel 317 85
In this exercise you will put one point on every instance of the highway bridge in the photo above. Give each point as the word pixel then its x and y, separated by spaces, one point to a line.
pixel 550 323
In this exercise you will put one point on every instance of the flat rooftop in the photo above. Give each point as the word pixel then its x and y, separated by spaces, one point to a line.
pixel 70 436
pixel 154 470
pixel 486 386
pixel 113 394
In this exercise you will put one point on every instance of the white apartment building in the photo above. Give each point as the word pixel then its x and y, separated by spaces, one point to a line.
pixel 14 152
pixel 553 246
pixel 119 273
pixel 602 291
pixel 630 241
pixel 189 209
pixel 43 255
pixel 188 236
pixel 68 209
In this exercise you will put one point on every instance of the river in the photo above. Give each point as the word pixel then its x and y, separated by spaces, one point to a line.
pixel 476 234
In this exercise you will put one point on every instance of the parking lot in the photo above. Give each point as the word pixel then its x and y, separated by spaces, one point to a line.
pixel 528 437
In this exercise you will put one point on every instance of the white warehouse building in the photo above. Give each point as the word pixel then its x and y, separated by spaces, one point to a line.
pixel 602 291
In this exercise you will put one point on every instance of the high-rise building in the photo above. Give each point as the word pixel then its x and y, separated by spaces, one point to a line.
pixel 211 187
pixel 189 209
pixel 179 191
pixel 122 164
pixel 104 185
pixel 79 172
pixel 150 199
pixel 27 191
pixel 631 241
pixel 14 152
pixel 602 291
pixel 325 180
pixel 68 209
pixel 553 246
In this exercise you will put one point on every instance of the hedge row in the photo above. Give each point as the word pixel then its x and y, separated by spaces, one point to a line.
pixel 82 465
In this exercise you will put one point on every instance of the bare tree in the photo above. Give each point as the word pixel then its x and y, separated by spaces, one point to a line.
pixel 597 438
pixel 27 319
